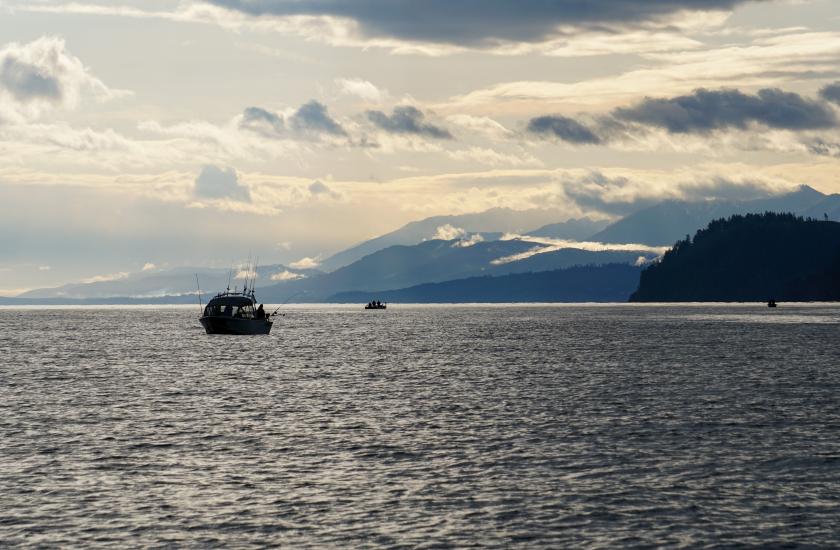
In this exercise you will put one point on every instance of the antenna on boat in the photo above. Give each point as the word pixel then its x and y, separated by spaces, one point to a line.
pixel 200 305
pixel 230 273
pixel 247 275
pixel 254 274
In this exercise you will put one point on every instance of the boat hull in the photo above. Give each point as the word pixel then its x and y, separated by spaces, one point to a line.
pixel 232 325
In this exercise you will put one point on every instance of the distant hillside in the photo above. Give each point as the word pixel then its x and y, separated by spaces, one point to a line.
pixel 608 283
pixel 575 229
pixel 491 224
pixel 749 258
pixel 148 285
pixel 437 261
pixel 665 223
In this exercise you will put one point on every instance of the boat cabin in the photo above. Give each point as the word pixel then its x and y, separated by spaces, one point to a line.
pixel 238 307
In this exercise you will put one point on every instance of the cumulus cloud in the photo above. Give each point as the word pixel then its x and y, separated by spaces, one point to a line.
pixel 320 189
pixel 563 128
pixel 306 263
pixel 42 74
pixel 478 22
pixel 310 120
pixel 448 232
pixel 831 92
pixel 363 89
pixel 473 239
pixel 149 266
pixel 220 183
pixel 287 275
pixel 407 119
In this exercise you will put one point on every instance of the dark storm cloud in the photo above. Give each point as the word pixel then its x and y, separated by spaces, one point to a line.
pixel 706 110
pixel 473 22
pixel 563 128
pixel 407 120
pixel 27 82
pixel 699 112
pixel 831 93
pixel 220 183
pixel 311 119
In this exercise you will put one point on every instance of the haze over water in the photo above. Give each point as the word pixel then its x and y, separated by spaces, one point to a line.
pixel 422 426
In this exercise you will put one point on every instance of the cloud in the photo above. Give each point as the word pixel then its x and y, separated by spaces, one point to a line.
pixel 698 113
pixel 287 275
pixel 362 89
pixel 310 120
pixel 106 278
pixel 473 239
pixel 706 110
pixel 620 195
pixel 319 188
pixel 563 128
pixel 553 245
pixel 831 92
pixel 407 119
pixel 220 183
pixel 448 232
pixel 149 266
pixel 478 22
pixel 306 263
pixel 42 74
pixel 767 60
pixel 313 117
pixel 44 268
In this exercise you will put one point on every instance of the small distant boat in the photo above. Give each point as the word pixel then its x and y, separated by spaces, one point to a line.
pixel 771 303
pixel 235 313
pixel 376 305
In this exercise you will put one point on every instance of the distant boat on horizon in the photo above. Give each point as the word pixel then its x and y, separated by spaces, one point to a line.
pixel 376 305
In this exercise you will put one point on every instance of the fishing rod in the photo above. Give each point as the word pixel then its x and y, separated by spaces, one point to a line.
pixel 286 302
pixel 200 305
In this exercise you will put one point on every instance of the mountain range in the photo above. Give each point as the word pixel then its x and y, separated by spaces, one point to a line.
pixel 669 221
pixel 449 248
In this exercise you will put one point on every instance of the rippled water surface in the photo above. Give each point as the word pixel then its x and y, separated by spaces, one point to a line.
pixel 422 427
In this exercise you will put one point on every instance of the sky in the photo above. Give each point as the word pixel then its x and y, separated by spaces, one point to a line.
pixel 139 135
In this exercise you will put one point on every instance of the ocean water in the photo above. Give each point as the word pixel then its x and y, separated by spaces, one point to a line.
pixel 416 427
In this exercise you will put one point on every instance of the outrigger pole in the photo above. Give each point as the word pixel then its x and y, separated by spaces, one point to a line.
pixel 200 305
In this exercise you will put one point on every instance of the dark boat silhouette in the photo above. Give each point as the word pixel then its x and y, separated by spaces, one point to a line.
pixel 771 303
pixel 235 313
pixel 376 305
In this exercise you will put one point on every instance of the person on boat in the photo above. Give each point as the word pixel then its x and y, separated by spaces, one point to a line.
pixel 260 312
pixel 378 303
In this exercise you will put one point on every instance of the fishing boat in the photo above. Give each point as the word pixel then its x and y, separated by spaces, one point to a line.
pixel 771 303
pixel 376 305
pixel 235 312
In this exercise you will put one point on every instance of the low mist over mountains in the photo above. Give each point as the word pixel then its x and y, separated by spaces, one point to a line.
pixel 170 282
pixel 467 248
pixel 490 224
